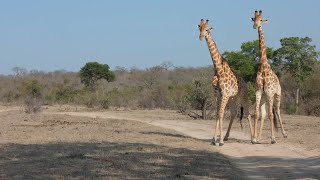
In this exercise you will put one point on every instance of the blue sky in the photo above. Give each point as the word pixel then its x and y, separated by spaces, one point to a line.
pixel 65 34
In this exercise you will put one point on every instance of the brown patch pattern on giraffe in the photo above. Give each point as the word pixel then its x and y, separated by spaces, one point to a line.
pixel 267 83
pixel 224 80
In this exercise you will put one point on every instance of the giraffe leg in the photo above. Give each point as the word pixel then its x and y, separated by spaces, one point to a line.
pixel 270 106
pixel 278 100
pixel 214 140
pixel 250 126
pixel 224 101
pixel 247 114
pixel 257 115
pixel 263 116
pixel 233 111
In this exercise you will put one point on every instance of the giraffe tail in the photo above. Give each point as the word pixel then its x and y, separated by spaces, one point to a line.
pixel 241 116
pixel 275 118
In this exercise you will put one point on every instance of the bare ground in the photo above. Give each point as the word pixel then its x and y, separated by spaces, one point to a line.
pixel 75 142
pixel 53 146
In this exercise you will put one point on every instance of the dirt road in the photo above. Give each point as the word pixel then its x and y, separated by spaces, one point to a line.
pixel 263 161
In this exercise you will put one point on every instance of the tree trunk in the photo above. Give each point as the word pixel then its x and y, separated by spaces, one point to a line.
pixel 204 113
pixel 297 99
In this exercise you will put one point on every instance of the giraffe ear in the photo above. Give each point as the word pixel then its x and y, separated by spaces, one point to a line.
pixel 252 19
pixel 265 21
pixel 210 29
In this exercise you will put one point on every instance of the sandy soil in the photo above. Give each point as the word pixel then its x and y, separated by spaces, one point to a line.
pixel 53 146
pixel 70 133
pixel 296 157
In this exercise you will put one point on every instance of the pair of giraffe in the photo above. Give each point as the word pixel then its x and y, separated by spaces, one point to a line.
pixel 233 90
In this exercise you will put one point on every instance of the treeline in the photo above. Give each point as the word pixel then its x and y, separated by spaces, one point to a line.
pixel 162 86
pixel 167 87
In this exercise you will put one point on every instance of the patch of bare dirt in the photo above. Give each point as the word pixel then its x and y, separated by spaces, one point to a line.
pixel 296 157
pixel 53 146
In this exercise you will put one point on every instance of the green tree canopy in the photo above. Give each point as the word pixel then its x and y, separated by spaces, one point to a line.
pixel 93 71
pixel 244 62
pixel 297 56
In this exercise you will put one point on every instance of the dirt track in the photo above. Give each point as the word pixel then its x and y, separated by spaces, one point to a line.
pixel 281 161
pixel 30 143
pixel 51 146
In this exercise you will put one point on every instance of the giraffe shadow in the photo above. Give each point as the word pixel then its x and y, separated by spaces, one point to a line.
pixel 234 140
pixel 166 134
pixel 230 140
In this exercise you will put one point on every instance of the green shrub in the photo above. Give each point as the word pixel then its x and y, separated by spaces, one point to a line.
pixel 291 108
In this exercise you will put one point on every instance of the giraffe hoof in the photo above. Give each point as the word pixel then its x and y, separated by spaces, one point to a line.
pixel 254 141
pixel 285 136
pixel 213 143
pixel 225 138
pixel 221 144
pixel 273 141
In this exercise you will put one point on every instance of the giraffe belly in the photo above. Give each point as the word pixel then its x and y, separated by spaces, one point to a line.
pixel 232 91
pixel 269 91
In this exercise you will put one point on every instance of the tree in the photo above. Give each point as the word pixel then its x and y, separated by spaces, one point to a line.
pixel 243 62
pixel 298 57
pixel 202 95
pixel 93 71
pixel 19 71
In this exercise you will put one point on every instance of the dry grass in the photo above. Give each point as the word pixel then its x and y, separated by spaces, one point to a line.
pixel 40 146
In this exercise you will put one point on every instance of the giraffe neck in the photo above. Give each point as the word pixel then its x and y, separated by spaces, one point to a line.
pixel 262 47
pixel 214 52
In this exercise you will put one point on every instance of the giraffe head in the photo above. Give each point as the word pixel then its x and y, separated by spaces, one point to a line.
pixel 204 29
pixel 258 20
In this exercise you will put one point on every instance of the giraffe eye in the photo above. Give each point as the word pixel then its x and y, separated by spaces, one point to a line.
pixel 261 20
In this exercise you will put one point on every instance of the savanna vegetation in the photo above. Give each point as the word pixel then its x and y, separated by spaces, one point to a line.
pixel 168 87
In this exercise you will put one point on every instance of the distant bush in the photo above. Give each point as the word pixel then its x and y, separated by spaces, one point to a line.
pixel 179 88
pixel 31 91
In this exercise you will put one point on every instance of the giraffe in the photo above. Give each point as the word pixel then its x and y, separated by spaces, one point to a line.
pixel 228 85
pixel 267 83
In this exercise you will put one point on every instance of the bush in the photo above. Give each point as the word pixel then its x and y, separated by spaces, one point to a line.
pixel 33 104
pixel 31 91
pixel 65 94
pixel 312 107
pixel 291 108
pixel 104 103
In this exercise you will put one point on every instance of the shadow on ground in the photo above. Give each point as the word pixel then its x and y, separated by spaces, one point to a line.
pixel 275 167
pixel 166 134
pixel 112 160
pixel 282 168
